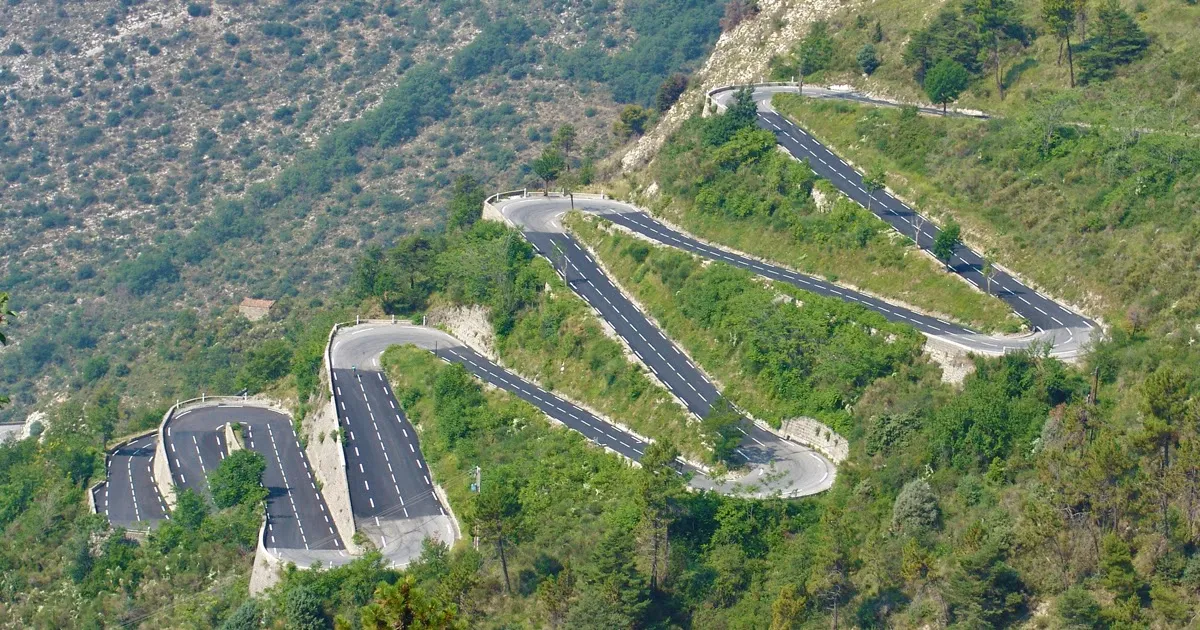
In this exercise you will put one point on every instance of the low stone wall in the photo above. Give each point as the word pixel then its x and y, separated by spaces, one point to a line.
pixel 815 435
pixel 956 361
pixel 491 211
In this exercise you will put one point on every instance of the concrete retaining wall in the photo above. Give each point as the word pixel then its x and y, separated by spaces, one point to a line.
pixel 326 455
pixel 817 436
pixel 162 466
pixel 233 442
pixel 267 565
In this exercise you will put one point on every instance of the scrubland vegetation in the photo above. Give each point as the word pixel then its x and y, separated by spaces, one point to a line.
pixel 1034 494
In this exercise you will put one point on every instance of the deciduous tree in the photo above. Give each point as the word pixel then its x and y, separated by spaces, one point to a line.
pixel 946 241
pixel 238 479
pixel 405 606
pixel 548 166
pixel 945 81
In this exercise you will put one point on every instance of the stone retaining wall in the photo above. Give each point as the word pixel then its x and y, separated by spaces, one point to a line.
pixel 267 565
pixel 813 434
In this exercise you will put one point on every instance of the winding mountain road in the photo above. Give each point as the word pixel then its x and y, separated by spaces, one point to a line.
pixel 774 465
pixel 392 495
pixel 298 526
pixel 128 495
pixel 1066 331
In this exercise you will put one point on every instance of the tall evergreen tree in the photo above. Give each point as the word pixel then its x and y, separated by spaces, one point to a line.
pixel 998 23
pixel 497 511
pixel 615 594
pixel 659 489
pixel 1059 16
pixel 1118 40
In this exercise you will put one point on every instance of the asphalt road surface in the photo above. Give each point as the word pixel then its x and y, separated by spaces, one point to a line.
pixel 1053 323
pixel 297 517
pixel 128 496
pixel 775 466
pixel 391 489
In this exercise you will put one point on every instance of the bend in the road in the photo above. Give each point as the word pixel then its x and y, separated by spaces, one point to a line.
pixel 778 466
pixel 392 494
pixel 298 520
pixel 128 495
pixel 1066 330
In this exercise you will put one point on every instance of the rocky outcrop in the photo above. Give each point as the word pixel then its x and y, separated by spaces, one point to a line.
pixel 741 55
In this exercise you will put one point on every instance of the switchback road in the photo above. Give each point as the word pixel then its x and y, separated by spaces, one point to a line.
pixel 128 496
pixel 391 489
pixel 297 517
pixel 1053 323
pixel 775 465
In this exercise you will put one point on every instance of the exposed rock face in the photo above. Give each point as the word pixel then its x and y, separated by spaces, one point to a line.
pixel 468 323
pixel 740 56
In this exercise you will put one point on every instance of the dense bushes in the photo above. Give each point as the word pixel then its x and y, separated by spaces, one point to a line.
pixel 1002 408
pixel 669 36
pixel 497 45
pixel 486 264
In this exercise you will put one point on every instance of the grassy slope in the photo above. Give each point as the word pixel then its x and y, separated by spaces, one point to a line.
pixel 725 356
pixel 559 343
pixel 571 491
pixel 1102 220
pixel 1098 212
pixel 884 265
pixel 1153 92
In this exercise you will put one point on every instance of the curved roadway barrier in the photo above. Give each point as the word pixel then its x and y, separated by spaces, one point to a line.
pixel 718 98
pixel 777 466
pixel 297 526
pixel 1066 331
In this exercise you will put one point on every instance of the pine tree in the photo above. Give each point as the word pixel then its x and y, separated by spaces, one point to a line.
pixel 1118 40
pixel 1059 16
pixel 996 19
pixel 615 594
pixel 496 517
pixel 659 488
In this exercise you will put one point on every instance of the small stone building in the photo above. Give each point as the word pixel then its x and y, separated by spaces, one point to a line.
pixel 255 310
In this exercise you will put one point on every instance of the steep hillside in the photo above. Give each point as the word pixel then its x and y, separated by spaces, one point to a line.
pixel 159 158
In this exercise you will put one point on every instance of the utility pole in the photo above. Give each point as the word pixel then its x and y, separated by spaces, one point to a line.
pixel 475 489
pixel 1095 385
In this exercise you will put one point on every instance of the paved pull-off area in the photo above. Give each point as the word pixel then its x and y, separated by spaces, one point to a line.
pixel 128 496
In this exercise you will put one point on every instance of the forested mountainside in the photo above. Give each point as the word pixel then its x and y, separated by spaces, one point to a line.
pixel 1016 491
pixel 160 158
